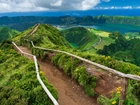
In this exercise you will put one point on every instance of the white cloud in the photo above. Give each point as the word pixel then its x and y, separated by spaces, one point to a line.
pixel 114 7
pixel 39 5
pixel 128 7
pixel 106 0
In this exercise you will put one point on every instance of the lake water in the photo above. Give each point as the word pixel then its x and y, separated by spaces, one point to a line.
pixel 123 28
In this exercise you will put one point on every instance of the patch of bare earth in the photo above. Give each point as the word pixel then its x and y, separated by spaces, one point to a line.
pixel 107 82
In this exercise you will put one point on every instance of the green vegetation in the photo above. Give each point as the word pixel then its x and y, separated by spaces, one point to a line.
pixel 115 97
pixel 85 38
pixel 18 81
pixel 105 39
pixel 81 37
pixel 6 33
pixel 132 35
pixel 123 49
pixel 72 68
pixel 49 37
pixel 45 36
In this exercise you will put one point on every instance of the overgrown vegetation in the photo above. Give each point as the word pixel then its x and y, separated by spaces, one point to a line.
pixel 47 38
pixel 18 82
pixel 123 49
pixel 130 99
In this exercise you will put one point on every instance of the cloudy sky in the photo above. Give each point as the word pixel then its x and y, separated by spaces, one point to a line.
pixel 53 5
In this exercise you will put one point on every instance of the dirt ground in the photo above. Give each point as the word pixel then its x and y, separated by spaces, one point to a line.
pixel 69 92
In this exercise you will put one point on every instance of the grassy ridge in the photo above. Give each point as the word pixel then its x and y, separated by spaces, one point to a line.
pixel 18 82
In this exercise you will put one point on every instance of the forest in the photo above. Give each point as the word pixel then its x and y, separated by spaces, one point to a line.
pixel 123 49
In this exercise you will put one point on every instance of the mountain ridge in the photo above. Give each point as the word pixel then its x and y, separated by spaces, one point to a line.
pixel 21 23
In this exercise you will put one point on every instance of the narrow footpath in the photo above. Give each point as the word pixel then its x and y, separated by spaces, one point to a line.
pixel 69 92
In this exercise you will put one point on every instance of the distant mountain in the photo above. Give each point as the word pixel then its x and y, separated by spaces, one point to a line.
pixel 21 23
pixel 6 33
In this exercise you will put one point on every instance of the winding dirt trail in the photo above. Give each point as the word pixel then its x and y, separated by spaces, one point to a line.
pixel 69 92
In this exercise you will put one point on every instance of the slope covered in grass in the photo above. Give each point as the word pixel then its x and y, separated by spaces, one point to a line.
pixel 18 82
pixel 6 33
pixel 81 37
pixel 105 39
pixel 45 35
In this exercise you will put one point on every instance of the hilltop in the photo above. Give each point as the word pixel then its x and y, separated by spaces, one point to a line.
pixel 45 35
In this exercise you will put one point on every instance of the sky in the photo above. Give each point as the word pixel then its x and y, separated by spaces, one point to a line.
pixel 60 5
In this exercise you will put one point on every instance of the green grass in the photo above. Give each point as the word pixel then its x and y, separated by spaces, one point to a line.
pixel 82 37
pixel 105 41
pixel 6 33
pixel 18 81
pixel 101 33
pixel 105 38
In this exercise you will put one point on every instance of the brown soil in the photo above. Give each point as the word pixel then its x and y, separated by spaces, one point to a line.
pixel 69 92
pixel 107 82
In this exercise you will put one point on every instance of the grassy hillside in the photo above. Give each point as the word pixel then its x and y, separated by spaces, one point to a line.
pixel 80 37
pixel 105 39
pixel 46 36
pixel 83 38
pixel 6 33
pixel 49 37
pixel 18 81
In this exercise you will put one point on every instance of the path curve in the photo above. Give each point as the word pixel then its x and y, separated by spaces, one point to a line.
pixel 69 92
pixel 96 43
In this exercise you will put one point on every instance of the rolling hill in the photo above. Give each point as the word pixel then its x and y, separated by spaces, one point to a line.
pixel 87 39
pixel 80 37
pixel 6 33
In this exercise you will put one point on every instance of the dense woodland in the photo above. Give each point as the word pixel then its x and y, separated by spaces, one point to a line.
pixel 123 49
pixel 21 23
